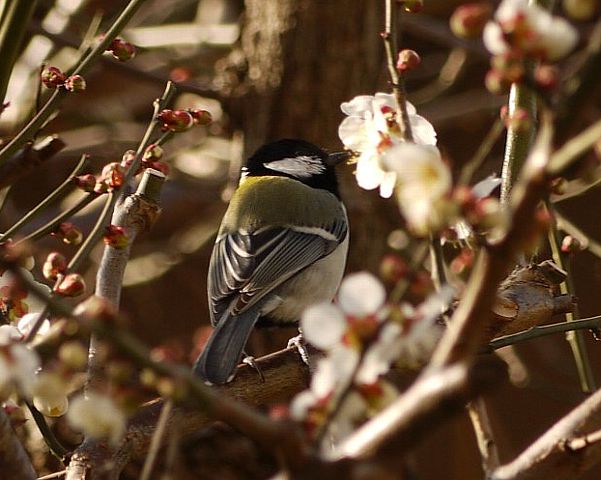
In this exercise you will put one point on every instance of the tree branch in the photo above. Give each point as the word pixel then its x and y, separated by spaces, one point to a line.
pixel 548 456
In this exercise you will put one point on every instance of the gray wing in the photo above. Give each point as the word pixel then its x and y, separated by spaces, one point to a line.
pixel 246 266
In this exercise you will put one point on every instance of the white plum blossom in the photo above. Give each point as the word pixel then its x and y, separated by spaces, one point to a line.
pixel 370 128
pixel 334 371
pixel 315 318
pixel 361 341
pixel 423 181
pixel 527 29
pixel 361 294
pixel 98 417
pixel 18 364
pixel 50 394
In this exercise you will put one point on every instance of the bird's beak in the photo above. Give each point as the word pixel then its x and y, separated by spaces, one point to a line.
pixel 338 157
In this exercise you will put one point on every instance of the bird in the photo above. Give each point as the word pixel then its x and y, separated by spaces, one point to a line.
pixel 281 247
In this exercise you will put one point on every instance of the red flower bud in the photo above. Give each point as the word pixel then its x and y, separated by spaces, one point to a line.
pixel 175 120
pixel 75 83
pixel 71 286
pixel 85 182
pixel 393 268
pixel 52 77
pixel 116 237
pixel 54 265
pixel 469 20
pixel 68 233
pixel 201 117
pixel 408 60
pixel 122 50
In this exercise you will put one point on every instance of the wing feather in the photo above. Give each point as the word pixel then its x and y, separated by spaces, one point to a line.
pixel 246 266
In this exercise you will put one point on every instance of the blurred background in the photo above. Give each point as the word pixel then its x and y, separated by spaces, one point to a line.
pixel 268 69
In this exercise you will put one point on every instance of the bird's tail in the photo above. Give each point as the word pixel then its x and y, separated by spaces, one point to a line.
pixel 222 352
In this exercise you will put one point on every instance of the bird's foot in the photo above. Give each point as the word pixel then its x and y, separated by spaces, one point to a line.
pixel 250 361
pixel 298 342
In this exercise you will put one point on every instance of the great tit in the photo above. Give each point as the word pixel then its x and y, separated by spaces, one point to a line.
pixel 281 247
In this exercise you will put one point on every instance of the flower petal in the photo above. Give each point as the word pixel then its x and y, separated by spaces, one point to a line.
pixel 323 325
pixel 361 294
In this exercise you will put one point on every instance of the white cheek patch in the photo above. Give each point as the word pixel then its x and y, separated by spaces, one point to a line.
pixel 302 166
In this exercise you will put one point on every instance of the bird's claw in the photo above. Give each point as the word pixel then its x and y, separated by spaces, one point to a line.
pixel 250 361
pixel 298 342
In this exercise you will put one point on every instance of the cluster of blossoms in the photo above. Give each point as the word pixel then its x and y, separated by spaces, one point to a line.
pixel 523 31
pixel 21 373
pixel 415 171
pixel 361 337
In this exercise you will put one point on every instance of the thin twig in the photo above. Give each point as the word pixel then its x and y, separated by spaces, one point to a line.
pixel 55 446
pixel 398 84
pixel 484 435
pixel 86 60
pixel 544 330
pixel 575 338
pixel 472 166
pixel 574 148
pixel 52 224
pixel 56 194
pixel 585 240
pixel 156 441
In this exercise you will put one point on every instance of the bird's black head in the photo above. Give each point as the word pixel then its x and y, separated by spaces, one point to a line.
pixel 296 159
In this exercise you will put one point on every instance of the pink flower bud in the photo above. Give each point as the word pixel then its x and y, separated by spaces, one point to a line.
pixel 68 233
pixel 75 83
pixel 71 286
pixel 175 120
pixel 201 117
pixel 520 120
pixel 571 244
pixel 546 77
pixel 52 77
pixel 54 265
pixel 468 20
pixel 112 175
pixel 85 182
pixel 122 50
pixel 408 60
pixel 116 237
